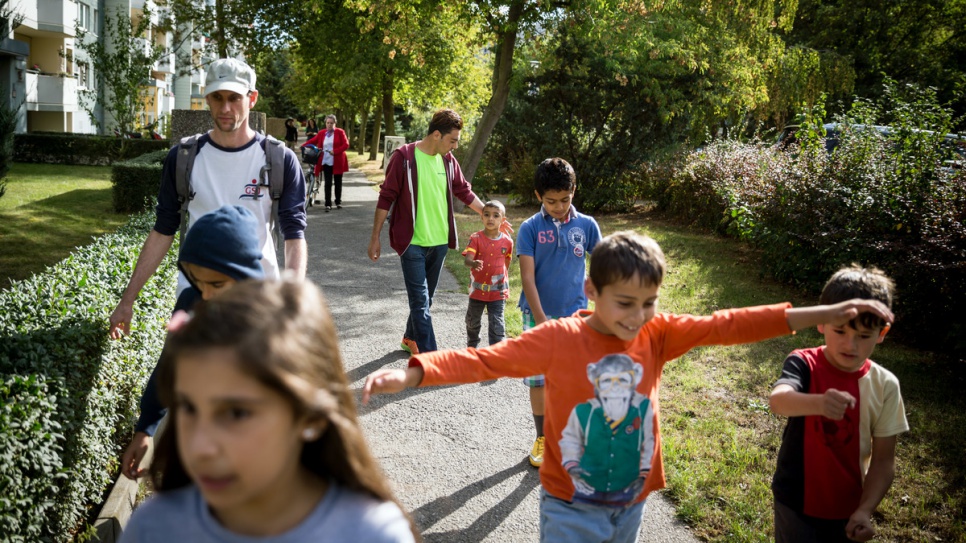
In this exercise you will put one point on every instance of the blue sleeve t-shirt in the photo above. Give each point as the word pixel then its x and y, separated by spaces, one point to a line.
pixel 559 251
pixel 342 516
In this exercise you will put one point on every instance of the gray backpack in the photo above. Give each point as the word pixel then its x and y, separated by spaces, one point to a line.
pixel 271 175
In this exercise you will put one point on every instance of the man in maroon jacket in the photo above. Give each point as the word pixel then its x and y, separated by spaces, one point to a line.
pixel 422 179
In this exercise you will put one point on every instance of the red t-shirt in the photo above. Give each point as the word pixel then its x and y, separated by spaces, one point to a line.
pixel 492 282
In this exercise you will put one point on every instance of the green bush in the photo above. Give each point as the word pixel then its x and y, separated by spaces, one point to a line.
pixel 883 200
pixel 54 333
pixel 85 149
pixel 136 181
pixel 30 461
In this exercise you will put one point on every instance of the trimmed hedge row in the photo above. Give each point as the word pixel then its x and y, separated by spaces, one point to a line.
pixel 68 395
pixel 136 181
pixel 85 149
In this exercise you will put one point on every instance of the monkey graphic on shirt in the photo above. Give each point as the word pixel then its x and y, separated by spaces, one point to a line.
pixel 608 443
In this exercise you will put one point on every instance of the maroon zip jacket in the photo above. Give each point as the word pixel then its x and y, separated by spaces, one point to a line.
pixel 399 191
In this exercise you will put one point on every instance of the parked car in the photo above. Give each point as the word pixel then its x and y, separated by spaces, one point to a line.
pixel 955 143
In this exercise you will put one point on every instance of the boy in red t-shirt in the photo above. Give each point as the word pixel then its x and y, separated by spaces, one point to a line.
pixel 603 445
pixel 488 255
pixel 838 453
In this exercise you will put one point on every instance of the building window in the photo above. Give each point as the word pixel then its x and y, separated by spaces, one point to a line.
pixel 94 23
pixel 83 16
pixel 83 73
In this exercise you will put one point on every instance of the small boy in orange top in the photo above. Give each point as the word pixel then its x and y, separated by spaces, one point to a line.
pixel 603 368
pixel 488 255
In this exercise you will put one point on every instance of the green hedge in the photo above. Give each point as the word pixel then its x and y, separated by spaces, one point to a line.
pixel 136 181
pixel 87 149
pixel 69 395
pixel 888 202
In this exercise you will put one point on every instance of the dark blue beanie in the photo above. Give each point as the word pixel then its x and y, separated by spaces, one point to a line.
pixel 225 240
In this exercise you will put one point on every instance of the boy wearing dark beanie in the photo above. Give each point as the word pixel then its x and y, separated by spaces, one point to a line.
pixel 221 249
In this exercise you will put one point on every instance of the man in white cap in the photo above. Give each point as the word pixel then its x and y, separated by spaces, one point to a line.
pixel 226 171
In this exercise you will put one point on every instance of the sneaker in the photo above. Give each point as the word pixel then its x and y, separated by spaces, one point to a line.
pixel 328 209
pixel 410 347
pixel 338 206
pixel 536 453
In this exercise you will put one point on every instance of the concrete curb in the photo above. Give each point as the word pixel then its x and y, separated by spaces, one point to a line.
pixel 117 509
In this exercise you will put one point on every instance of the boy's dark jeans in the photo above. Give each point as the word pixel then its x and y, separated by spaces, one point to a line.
pixel 474 317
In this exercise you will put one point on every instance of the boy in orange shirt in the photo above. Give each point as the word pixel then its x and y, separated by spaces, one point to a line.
pixel 488 254
pixel 603 445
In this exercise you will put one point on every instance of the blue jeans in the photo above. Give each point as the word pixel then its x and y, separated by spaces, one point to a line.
pixel 562 522
pixel 474 317
pixel 421 267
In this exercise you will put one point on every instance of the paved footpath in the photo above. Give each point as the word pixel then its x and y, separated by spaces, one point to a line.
pixel 455 455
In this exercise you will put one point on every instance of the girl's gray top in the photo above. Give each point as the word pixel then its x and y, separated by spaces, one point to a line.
pixel 343 515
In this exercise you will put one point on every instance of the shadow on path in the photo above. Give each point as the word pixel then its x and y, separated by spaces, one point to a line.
pixel 427 515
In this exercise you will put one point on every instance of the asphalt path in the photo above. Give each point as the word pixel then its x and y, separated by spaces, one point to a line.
pixel 456 456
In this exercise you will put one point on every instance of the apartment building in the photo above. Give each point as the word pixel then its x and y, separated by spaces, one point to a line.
pixel 43 71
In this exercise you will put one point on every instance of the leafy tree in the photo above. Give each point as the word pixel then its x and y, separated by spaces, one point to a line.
pixel 275 74
pixel 121 64
pixel 920 42
pixel 363 66
pixel 249 27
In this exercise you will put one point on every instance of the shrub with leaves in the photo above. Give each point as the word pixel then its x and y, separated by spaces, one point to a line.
pixel 76 389
pixel 883 199
pixel 30 456
pixel 136 181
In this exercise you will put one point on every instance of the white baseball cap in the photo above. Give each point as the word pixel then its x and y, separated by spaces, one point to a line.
pixel 230 75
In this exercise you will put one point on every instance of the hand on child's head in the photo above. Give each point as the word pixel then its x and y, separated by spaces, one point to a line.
pixel 844 312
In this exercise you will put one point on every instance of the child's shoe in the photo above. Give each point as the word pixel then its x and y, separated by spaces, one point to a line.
pixel 409 345
pixel 536 453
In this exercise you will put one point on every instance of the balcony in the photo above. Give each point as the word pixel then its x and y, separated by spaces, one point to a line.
pixel 57 16
pixel 51 93
pixel 166 64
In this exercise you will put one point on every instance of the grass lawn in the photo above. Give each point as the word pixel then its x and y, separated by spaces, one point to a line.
pixel 49 210
pixel 720 440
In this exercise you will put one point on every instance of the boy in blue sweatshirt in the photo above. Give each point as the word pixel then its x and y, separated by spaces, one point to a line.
pixel 220 249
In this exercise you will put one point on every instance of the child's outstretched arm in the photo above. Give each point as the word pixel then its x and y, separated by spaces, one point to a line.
pixel 391 381
pixel 836 314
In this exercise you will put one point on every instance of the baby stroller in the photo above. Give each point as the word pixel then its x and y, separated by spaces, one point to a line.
pixel 310 155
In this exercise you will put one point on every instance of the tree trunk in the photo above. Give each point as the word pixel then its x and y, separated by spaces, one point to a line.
pixel 374 147
pixel 388 108
pixel 347 126
pixel 363 119
pixel 502 71
pixel 220 28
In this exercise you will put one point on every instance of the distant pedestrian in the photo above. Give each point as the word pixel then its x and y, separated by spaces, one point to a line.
pixel 837 458
pixel 603 374
pixel 488 255
pixel 311 129
pixel 291 134
pixel 332 143
pixel 553 246
pixel 263 442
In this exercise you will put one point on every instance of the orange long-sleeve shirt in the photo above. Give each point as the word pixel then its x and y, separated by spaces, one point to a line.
pixel 570 354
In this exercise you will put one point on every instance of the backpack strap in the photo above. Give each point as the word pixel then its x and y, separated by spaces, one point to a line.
pixel 187 150
pixel 272 175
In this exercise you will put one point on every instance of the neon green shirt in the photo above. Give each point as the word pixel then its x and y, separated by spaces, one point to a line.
pixel 431 227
